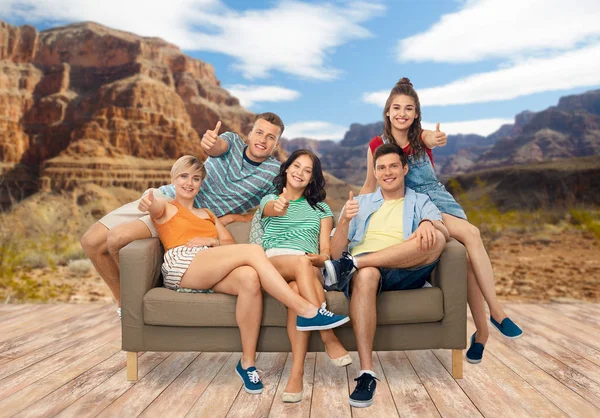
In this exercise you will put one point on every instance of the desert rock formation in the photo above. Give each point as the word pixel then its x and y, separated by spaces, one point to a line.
pixel 74 94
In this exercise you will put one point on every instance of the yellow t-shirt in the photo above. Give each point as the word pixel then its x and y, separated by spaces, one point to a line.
pixel 385 228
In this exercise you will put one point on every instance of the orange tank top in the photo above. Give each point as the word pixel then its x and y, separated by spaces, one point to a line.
pixel 184 226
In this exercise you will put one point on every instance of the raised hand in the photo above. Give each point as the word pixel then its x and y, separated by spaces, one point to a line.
pixel 351 208
pixel 209 139
pixel 440 137
pixel 282 203
pixel 146 201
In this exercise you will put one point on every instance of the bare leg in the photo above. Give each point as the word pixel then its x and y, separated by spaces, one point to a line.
pixel 299 341
pixel 210 266
pixel 476 305
pixel 363 312
pixel 300 269
pixel 469 235
pixel 121 235
pixel 403 255
pixel 244 283
pixel 94 245
pixel 333 346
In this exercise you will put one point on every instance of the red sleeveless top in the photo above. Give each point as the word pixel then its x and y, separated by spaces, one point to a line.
pixel 377 142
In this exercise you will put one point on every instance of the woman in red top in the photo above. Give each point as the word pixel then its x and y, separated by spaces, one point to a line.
pixel 200 254
pixel 402 125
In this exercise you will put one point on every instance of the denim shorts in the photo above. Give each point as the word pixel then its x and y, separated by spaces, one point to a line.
pixel 397 279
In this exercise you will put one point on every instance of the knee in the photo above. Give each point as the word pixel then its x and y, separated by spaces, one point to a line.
pixel 303 264
pixel 93 242
pixel 249 282
pixel 473 233
pixel 254 250
pixel 436 249
pixel 294 287
pixel 366 280
pixel 116 239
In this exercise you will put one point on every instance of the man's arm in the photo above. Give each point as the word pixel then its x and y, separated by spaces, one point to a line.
pixel 214 145
pixel 339 241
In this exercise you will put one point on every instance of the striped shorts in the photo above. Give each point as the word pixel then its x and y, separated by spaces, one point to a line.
pixel 175 263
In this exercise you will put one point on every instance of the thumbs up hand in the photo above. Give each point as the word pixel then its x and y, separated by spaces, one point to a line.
pixel 146 201
pixel 282 203
pixel 440 138
pixel 351 208
pixel 209 139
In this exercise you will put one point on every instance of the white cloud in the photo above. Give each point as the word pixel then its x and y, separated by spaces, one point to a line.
pixel 249 95
pixel 291 37
pixel 579 68
pixel 482 127
pixel 315 130
pixel 505 28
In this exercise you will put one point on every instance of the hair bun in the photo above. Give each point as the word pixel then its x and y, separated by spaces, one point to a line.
pixel 404 80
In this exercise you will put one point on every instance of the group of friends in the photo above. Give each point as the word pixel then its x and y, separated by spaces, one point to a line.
pixel 389 237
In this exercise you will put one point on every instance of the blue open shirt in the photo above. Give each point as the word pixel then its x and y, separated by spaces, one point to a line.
pixel 417 207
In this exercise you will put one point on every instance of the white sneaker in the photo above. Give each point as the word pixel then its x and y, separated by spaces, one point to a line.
pixel 119 312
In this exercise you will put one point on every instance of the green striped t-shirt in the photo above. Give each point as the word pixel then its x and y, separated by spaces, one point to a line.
pixel 298 229
pixel 233 183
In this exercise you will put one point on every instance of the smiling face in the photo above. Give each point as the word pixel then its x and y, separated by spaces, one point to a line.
pixel 262 140
pixel 187 184
pixel 390 173
pixel 299 173
pixel 402 112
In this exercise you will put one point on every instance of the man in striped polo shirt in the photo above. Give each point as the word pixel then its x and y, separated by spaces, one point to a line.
pixel 239 174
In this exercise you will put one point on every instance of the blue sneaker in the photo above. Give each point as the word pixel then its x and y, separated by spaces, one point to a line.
pixel 249 376
pixel 508 328
pixel 364 392
pixel 322 320
pixel 337 270
pixel 475 351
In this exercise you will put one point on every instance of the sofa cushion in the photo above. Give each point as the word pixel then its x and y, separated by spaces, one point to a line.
pixel 166 307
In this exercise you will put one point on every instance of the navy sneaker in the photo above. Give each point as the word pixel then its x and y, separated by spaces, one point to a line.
pixel 364 392
pixel 337 270
pixel 249 376
pixel 322 320
pixel 508 328
pixel 475 351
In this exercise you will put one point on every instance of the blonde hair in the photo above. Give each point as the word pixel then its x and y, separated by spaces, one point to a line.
pixel 188 163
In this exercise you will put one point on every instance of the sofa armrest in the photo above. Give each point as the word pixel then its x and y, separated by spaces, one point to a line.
pixel 139 264
pixel 451 277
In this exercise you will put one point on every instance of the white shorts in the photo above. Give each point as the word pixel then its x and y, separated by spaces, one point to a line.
pixel 273 252
pixel 175 263
pixel 130 212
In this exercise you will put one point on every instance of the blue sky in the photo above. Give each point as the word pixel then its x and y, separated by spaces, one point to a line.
pixel 323 65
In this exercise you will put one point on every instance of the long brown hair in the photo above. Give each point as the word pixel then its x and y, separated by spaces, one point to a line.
pixel 405 87
pixel 315 190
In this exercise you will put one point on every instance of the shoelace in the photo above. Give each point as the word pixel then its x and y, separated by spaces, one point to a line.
pixel 363 381
pixel 253 376
pixel 324 311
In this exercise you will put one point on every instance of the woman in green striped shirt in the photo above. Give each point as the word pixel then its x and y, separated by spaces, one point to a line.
pixel 297 224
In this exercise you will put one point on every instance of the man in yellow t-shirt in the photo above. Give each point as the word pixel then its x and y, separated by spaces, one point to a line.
pixel 395 237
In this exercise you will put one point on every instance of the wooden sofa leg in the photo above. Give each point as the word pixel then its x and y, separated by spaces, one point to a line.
pixel 457 364
pixel 132 365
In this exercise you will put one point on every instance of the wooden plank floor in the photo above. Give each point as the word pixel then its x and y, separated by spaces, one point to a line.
pixel 65 360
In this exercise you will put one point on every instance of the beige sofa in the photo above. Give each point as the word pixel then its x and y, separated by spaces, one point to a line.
pixel 158 319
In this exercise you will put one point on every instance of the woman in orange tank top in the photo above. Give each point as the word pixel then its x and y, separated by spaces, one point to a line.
pixel 200 254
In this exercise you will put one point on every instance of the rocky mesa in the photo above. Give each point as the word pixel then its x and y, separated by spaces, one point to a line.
pixel 75 95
